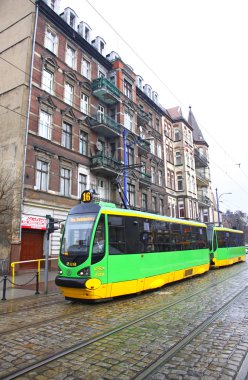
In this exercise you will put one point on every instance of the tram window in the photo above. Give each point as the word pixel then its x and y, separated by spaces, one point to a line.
pixel 98 250
pixel 117 242
pixel 221 237
pixel 146 236
pixel 176 236
pixel 203 241
pixel 186 237
pixel 132 235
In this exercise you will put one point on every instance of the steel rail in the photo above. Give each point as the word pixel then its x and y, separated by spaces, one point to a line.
pixel 181 344
pixel 39 323
pixel 164 358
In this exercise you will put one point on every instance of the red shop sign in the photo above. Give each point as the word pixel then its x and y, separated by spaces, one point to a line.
pixel 33 222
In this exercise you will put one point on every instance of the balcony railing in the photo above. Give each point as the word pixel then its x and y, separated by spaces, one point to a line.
pixel 144 179
pixel 104 165
pixel 143 117
pixel 105 90
pixel 143 146
pixel 200 159
pixel 202 177
pixel 203 198
pixel 104 125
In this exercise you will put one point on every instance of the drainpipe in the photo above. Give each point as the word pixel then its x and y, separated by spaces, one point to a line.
pixel 28 111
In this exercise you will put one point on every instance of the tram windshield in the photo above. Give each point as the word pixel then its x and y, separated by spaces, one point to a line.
pixel 76 239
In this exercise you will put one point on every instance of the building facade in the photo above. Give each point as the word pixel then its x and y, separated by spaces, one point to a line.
pixel 73 117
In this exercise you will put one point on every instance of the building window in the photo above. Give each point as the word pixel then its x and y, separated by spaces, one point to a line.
pixel 84 104
pixel 67 135
pixel 41 175
pixel 83 143
pixel 144 201
pixel 65 176
pixel 161 206
pixel 154 203
pixel 159 150
pixel 100 113
pixel 82 183
pixel 45 125
pixel 160 178
pixel 172 181
pixel 178 158
pixel 181 209
pixel 152 146
pixel 179 183
pixel 70 57
pixel 128 121
pixel 51 41
pixel 127 89
pixel 152 174
pixel 169 179
pixel 130 156
pixel 150 119
pixel 47 81
pixel 157 125
pixel 131 194
pixel 68 96
pixel 177 134
pixel 86 68
pixel 72 20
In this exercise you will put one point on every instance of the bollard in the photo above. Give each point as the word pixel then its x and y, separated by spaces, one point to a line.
pixel 37 283
pixel 4 287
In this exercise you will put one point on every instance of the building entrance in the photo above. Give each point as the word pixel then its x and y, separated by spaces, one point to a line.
pixel 31 246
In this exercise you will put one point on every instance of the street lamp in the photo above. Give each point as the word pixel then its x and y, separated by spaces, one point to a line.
pixel 217 200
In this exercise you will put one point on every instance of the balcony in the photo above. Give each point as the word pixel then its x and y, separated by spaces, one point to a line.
pixel 143 146
pixel 144 179
pixel 105 90
pixel 200 159
pixel 143 117
pixel 203 199
pixel 202 178
pixel 105 166
pixel 105 126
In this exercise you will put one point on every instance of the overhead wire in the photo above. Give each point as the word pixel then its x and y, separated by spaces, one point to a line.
pixel 37 117
pixel 158 77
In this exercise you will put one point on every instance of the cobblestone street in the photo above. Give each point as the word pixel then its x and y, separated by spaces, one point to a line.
pixel 156 335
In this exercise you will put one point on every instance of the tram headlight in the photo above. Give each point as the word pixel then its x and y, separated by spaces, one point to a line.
pixel 60 271
pixel 84 272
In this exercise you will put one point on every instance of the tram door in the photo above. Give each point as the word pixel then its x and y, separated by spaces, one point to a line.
pixel 31 247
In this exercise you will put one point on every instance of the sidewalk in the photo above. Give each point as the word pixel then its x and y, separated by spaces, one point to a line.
pixel 25 284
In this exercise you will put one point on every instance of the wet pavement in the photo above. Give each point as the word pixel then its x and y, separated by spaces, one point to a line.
pixel 25 284
pixel 124 337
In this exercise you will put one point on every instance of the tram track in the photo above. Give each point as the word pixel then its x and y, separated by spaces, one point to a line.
pixel 149 371
pixel 165 357
pixel 82 308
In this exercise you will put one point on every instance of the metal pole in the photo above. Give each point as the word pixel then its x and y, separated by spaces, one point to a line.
pixel 46 263
pixel 37 283
pixel 4 287
pixel 218 208
pixel 125 166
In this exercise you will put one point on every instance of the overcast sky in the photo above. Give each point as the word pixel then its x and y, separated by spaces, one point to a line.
pixel 192 52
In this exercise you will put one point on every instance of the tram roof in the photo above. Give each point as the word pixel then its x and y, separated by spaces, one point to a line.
pixel 111 209
pixel 228 230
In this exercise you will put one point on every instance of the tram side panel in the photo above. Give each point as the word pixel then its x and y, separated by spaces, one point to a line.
pixel 227 247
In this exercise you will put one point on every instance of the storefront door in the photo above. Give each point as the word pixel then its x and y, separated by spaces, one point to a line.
pixel 31 246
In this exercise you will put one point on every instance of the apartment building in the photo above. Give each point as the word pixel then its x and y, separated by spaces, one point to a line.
pixel 74 116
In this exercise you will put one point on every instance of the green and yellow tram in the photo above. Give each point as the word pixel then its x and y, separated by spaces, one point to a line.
pixel 108 251
pixel 226 246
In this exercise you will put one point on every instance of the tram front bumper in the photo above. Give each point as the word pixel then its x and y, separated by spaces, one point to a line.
pixel 83 283
pixel 70 282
